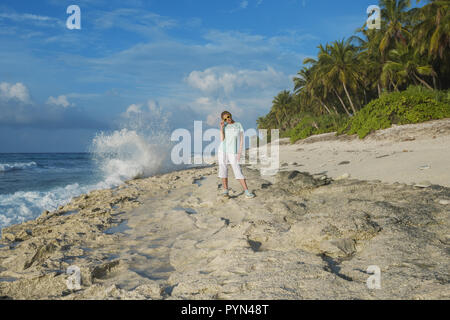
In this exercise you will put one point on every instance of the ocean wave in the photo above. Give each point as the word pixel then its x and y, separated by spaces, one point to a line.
pixel 5 167
pixel 26 205
pixel 121 155
pixel 126 154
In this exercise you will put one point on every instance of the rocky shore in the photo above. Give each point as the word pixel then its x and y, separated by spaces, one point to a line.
pixel 305 235
pixel 174 237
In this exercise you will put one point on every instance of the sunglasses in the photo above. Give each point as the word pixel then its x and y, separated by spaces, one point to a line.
pixel 227 117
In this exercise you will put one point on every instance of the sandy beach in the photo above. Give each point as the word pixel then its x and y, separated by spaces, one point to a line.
pixel 337 206
pixel 409 154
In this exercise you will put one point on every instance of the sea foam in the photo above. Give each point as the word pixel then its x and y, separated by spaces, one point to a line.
pixel 25 205
pixel 140 149
pixel 5 167
pixel 125 155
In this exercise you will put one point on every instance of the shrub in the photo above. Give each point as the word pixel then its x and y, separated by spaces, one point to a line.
pixel 414 105
pixel 310 125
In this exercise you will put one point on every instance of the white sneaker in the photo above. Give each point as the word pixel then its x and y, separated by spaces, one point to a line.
pixel 249 195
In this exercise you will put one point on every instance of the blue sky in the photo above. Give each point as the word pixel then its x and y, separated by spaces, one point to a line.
pixel 185 59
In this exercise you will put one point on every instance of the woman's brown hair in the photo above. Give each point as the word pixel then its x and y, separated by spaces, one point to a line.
pixel 224 113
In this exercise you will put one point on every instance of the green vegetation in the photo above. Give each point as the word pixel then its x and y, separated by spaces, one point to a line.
pixel 363 83
pixel 414 105
pixel 310 125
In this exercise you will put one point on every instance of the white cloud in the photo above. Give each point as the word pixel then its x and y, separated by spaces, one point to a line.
pixel 16 91
pixel 32 19
pixel 17 109
pixel 59 101
pixel 135 20
pixel 24 16
pixel 237 49
pixel 212 108
pixel 243 92
pixel 133 108
pixel 229 80
pixel 243 4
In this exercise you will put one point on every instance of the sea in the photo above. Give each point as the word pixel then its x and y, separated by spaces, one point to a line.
pixel 33 182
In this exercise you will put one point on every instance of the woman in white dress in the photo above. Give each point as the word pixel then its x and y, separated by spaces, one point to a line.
pixel 230 153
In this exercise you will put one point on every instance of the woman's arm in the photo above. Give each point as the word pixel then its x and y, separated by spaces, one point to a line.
pixel 222 131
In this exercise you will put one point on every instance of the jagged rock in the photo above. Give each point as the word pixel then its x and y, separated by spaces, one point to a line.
pixel 102 271
pixel 41 254
pixel 303 239
pixel 24 235
pixel 294 181
pixel 8 236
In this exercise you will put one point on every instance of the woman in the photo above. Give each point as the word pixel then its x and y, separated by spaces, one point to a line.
pixel 229 153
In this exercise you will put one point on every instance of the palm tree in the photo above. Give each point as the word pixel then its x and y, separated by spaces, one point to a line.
pixel 412 47
pixel 339 65
pixel 281 104
pixel 370 59
pixel 394 14
pixel 405 65
pixel 311 88
pixel 318 74
pixel 318 90
pixel 300 82
pixel 433 30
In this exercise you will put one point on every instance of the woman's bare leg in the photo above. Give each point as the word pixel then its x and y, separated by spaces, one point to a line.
pixel 243 184
pixel 225 183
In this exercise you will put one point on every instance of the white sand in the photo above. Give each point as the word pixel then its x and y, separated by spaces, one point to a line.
pixel 384 156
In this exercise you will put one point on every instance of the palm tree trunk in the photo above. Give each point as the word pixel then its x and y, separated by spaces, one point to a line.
pixel 423 81
pixel 278 121
pixel 349 99
pixel 342 102
pixel 379 89
pixel 285 114
pixel 335 110
pixel 395 87
pixel 325 106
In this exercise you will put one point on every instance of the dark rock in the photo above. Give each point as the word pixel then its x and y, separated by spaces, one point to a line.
pixel 41 254
pixel 294 181
pixel 102 271
pixel 255 245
